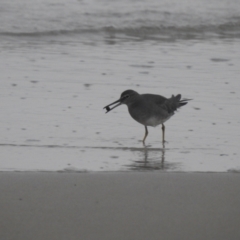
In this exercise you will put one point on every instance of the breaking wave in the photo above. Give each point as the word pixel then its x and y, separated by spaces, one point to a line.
pixel 226 30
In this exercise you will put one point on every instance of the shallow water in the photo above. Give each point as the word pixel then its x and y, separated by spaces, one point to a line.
pixel 52 100
pixel 54 88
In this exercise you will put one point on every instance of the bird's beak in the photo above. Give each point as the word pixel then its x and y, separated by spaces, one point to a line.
pixel 108 106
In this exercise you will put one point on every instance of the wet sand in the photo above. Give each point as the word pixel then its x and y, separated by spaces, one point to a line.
pixel 52 106
pixel 119 205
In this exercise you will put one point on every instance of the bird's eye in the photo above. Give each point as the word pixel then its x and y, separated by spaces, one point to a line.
pixel 126 96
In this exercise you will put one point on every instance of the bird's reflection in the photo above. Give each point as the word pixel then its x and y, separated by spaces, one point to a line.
pixel 152 159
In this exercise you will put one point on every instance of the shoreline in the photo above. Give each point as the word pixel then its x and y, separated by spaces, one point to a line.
pixel 123 205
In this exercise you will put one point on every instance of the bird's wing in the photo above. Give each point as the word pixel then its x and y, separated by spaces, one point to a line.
pixel 168 104
pixel 157 99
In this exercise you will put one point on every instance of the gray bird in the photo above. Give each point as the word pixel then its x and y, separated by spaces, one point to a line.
pixel 149 109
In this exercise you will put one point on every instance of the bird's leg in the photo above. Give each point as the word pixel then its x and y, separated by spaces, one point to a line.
pixel 145 136
pixel 163 133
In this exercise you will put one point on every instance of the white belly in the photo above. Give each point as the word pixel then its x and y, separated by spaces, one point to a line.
pixel 156 121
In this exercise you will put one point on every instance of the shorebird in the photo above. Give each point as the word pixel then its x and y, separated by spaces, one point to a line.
pixel 149 109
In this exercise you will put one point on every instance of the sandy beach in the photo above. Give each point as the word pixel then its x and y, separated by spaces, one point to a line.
pixel 116 206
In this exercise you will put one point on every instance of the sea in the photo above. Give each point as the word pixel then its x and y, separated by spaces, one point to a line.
pixel 63 61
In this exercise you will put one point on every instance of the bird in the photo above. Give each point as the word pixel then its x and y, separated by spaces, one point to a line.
pixel 149 109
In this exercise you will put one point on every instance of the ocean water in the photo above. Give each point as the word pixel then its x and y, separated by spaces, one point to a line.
pixel 63 61
pixel 135 20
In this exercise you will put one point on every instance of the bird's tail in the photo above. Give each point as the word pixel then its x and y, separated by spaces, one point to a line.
pixel 175 102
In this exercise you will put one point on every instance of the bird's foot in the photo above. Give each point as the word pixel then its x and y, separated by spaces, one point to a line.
pixel 163 143
pixel 145 145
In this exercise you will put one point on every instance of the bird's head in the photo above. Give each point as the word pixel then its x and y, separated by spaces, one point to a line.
pixel 127 97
